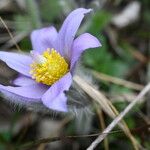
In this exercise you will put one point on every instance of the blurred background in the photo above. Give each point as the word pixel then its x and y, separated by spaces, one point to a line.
pixel 120 69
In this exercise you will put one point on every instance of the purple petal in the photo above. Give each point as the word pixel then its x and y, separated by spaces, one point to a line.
pixel 17 99
pixel 68 31
pixel 23 81
pixel 19 62
pixel 82 43
pixel 34 91
pixel 43 38
pixel 55 97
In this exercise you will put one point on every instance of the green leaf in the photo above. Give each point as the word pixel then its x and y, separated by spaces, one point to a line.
pixel 101 60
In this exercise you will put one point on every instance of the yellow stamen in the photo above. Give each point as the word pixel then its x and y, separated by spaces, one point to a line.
pixel 51 69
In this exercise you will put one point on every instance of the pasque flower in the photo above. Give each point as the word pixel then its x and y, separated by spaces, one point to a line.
pixel 46 73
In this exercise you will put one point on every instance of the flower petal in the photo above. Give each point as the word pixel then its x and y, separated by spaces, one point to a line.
pixel 19 62
pixel 34 91
pixel 82 43
pixel 29 103
pixel 55 97
pixel 17 99
pixel 68 31
pixel 43 38
pixel 23 81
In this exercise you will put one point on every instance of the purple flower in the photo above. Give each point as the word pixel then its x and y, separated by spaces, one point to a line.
pixel 47 72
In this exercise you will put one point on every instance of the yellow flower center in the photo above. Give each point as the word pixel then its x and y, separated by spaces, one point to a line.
pixel 49 67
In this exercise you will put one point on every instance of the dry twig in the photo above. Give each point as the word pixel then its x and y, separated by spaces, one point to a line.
pixel 102 124
pixel 107 107
pixel 10 34
pixel 119 118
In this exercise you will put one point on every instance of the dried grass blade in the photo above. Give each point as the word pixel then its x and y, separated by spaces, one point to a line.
pixel 106 106
pixel 119 117
pixel 118 81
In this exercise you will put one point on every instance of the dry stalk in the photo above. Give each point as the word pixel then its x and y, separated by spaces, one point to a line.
pixel 117 81
pixel 17 38
pixel 119 118
pixel 102 125
pixel 10 34
pixel 106 106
